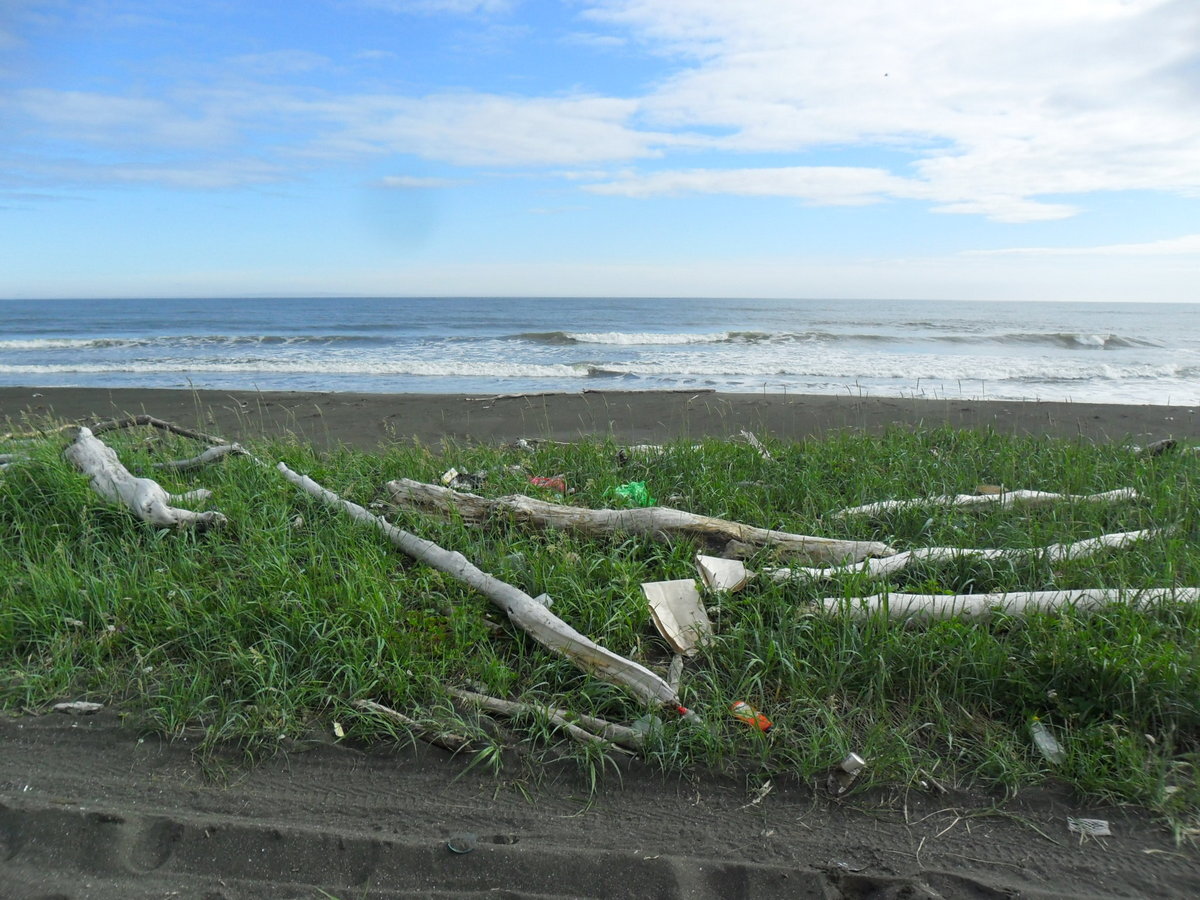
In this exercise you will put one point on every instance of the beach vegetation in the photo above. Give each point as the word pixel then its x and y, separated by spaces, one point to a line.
pixel 263 633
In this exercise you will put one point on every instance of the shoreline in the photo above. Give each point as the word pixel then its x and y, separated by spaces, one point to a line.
pixel 366 421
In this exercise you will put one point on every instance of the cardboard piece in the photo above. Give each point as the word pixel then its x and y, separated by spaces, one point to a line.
pixel 678 613
pixel 722 574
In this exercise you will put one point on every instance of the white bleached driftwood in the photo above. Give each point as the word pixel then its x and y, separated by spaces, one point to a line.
pixel 878 568
pixel 974 606
pixel 522 610
pixel 653 520
pixel 143 496
pixel 1004 498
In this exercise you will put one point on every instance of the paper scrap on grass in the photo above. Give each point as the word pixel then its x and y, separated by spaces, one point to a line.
pixel 678 613
pixel 1089 827
pixel 722 574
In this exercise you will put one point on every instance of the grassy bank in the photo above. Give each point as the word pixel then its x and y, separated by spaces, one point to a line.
pixel 265 631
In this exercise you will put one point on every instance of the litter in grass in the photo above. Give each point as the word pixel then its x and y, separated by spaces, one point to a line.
pixel 744 712
pixel 722 574
pixel 844 774
pixel 678 613
pixel 634 493
pixel 462 843
pixel 552 483
pixel 1089 827
pixel 1046 743
pixel 78 707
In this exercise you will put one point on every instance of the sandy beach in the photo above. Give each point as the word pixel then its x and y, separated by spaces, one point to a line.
pixel 365 421
pixel 92 808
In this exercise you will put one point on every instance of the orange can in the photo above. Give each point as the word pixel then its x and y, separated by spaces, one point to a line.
pixel 744 712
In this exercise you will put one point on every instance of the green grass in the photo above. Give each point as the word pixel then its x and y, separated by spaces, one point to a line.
pixel 267 629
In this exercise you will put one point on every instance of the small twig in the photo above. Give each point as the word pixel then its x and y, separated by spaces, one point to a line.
pixel 448 740
pixel 607 732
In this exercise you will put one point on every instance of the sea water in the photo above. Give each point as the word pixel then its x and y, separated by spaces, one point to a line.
pixel 1111 352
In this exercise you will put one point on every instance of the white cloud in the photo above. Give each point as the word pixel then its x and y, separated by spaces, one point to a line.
pixel 413 182
pixel 452 7
pixel 1187 245
pixel 998 103
pixel 827 186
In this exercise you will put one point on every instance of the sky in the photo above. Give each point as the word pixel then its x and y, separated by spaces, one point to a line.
pixel 941 149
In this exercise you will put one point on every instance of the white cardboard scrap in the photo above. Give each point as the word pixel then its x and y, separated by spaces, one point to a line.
pixel 678 613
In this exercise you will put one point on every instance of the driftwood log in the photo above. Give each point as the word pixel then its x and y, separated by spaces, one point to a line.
pixel 732 537
pixel 146 498
pixel 975 606
pixel 524 611
pixel 1002 498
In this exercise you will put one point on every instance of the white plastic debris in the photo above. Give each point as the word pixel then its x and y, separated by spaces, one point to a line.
pixel 1089 827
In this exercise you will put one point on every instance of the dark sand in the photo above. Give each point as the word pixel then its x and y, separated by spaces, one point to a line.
pixel 367 420
pixel 90 808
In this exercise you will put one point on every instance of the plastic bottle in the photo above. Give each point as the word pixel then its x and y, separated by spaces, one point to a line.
pixel 744 712
pixel 1046 743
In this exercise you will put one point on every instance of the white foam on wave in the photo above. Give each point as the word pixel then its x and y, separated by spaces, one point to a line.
pixel 646 338
pixel 340 366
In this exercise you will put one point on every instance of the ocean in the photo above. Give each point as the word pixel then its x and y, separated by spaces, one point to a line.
pixel 1106 352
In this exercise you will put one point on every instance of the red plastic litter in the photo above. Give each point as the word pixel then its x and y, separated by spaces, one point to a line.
pixel 553 484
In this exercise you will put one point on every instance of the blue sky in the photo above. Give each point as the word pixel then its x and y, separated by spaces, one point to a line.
pixel 963 149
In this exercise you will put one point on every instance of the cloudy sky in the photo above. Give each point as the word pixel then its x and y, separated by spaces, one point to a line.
pixel 974 149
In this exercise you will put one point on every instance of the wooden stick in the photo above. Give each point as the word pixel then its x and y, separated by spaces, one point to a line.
pixel 448 740
pixel 1005 498
pixel 524 612
pixel 979 606
pixel 878 568
pixel 132 421
pixel 143 496
pixel 608 733
pixel 657 521
pixel 211 455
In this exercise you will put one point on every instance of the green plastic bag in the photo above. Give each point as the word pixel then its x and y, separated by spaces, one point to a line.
pixel 634 493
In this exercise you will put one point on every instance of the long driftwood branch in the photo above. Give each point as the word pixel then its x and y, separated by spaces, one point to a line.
pixel 161 424
pixel 143 496
pixel 878 568
pixel 1004 498
pixel 524 612
pixel 945 606
pixel 654 520
pixel 601 731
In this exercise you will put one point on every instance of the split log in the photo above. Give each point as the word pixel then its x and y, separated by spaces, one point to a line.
pixel 143 496
pixel 601 731
pixel 657 521
pixel 878 568
pixel 979 606
pixel 1005 498
pixel 524 612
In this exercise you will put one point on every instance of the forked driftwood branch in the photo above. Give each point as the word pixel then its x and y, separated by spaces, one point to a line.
pixel 887 565
pixel 586 729
pixel 146 498
pixel 945 606
pixel 653 520
pixel 1003 498
pixel 524 611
